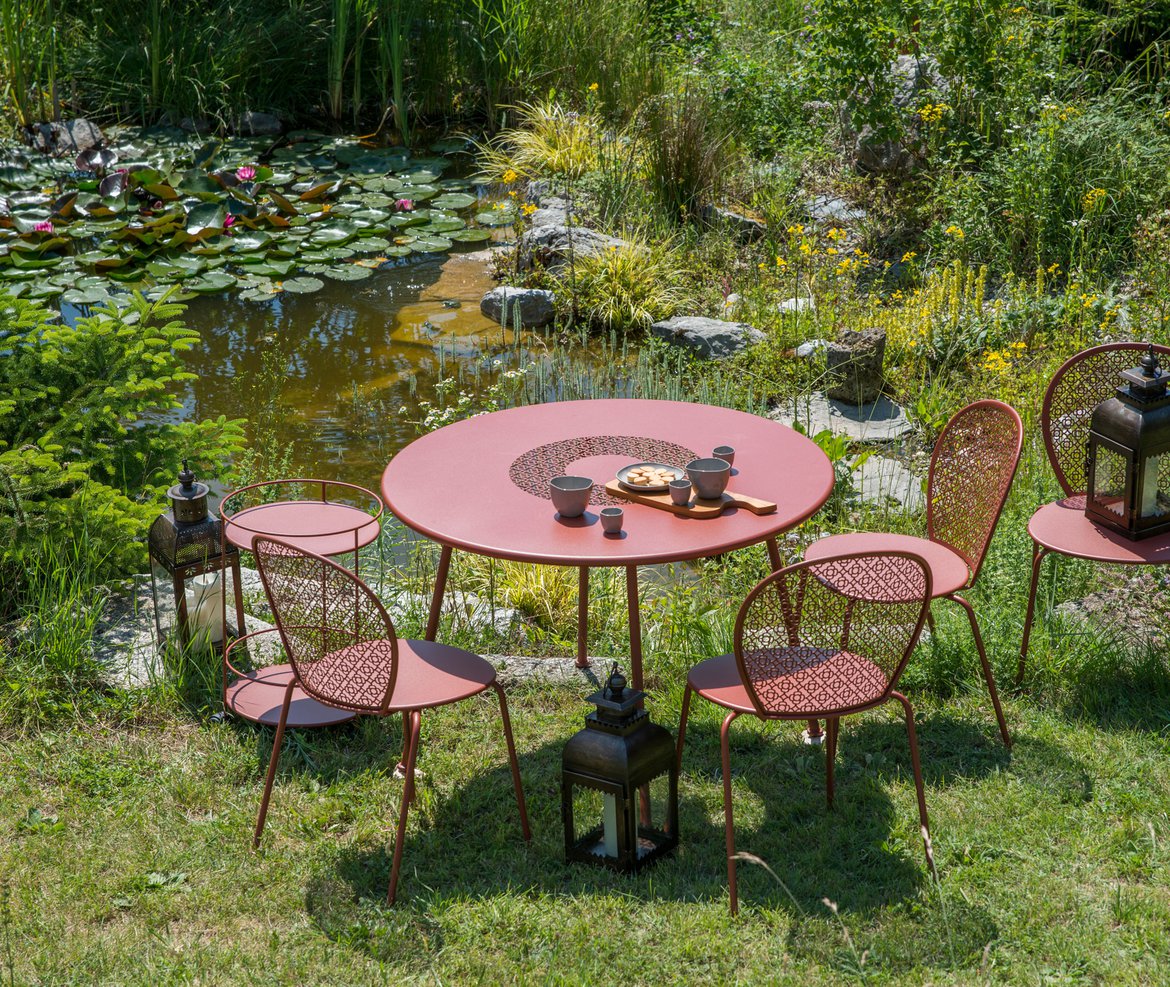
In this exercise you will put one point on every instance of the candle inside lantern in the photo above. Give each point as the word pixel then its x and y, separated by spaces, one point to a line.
pixel 205 608
pixel 609 825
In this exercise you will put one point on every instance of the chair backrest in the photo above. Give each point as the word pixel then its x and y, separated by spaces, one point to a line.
pixel 338 636
pixel 1082 383
pixel 971 473
pixel 827 634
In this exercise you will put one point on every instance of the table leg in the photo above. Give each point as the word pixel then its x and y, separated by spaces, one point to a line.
pixel 1037 559
pixel 437 595
pixel 635 626
pixel 583 617
pixel 813 734
pixel 431 632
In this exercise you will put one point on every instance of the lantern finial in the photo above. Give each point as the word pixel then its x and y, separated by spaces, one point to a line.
pixel 1149 364
pixel 186 478
pixel 615 684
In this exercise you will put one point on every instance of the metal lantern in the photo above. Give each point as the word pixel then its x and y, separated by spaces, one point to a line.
pixel 188 562
pixel 1129 454
pixel 619 753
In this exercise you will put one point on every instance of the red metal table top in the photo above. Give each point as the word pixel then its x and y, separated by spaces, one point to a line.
pixel 481 484
pixel 1063 528
pixel 324 527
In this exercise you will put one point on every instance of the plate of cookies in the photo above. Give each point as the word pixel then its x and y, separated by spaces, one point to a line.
pixel 648 477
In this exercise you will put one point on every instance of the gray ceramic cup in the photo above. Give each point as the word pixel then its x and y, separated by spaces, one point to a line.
pixel 709 477
pixel 725 453
pixel 611 520
pixel 570 494
pixel 680 491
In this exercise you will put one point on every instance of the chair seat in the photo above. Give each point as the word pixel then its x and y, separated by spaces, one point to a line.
pixel 1062 527
pixel 948 570
pixel 431 674
pixel 817 682
pixel 258 696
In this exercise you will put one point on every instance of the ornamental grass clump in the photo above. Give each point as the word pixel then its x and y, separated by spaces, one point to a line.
pixel 548 140
pixel 629 286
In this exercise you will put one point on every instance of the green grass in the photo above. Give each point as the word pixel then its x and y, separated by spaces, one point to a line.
pixel 1052 860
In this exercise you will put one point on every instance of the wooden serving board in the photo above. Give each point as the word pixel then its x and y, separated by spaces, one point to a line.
pixel 696 508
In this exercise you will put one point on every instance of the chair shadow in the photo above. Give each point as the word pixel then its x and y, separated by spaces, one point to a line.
pixel 1123 690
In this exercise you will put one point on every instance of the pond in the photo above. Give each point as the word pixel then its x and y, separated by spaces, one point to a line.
pixel 335 377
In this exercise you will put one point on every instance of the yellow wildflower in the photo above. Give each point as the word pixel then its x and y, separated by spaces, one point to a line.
pixel 1093 198
pixel 836 233
pixel 796 229
pixel 528 208
pixel 908 256
pixel 955 231
pixel 593 87
pixel 509 176
pixel 781 262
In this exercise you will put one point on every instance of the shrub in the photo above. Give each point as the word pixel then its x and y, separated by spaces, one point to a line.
pixel 88 443
pixel 686 151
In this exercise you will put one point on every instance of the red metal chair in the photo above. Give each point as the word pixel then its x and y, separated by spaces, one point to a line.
pixel 971 472
pixel 1083 382
pixel 344 653
pixel 819 639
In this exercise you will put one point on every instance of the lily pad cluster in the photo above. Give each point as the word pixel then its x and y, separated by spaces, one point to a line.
pixel 163 210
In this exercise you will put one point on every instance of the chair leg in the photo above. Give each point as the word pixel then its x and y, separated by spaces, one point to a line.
pixel 412 736
pixel 682 726
pixel 524 828
pixel 916 764
pixel 400 836
pixel 728 821
pixel 930 621
pixel 831 727
pixel 273 761
pixel 987 675
pixel 1037 560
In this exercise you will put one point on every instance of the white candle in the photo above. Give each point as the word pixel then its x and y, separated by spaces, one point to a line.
pixel 1150 488
pixel 610 825
pixel 205 608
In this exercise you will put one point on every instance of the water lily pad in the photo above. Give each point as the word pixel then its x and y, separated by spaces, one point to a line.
pixel 210 283
pixel 347 272
pixel 369 245
pixel 470 236
pixel 250 242
pixel 430 245
pixel 451 145
pixel 86 296
pixel 336 233
pixel 273 268
pixel 496 217
pixel 205 218
pixel 443 224
pixel 303 286
pixel 167 272
pixel 454 200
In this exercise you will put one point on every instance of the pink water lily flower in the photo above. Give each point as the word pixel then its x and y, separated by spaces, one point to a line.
pixel 228 222
pixel 246 173
pixel 404 205
pixel 44 226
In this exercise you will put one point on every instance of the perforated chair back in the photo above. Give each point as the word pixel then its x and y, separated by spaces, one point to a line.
pixel 826 636
pixel 338 636
pixel 1082 383
pixel 971 473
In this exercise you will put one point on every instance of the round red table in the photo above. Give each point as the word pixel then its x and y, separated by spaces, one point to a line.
pixel 481 485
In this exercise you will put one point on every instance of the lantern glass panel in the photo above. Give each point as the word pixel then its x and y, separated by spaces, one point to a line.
pixel 1155 487
pixel 1109 480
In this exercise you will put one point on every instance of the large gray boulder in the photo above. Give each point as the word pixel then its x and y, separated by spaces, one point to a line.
pixel 531 307
pixel 253 124
pixel 549 245
pixel 712 339
pixel 914 80
pixel 853 365
pixel 66 139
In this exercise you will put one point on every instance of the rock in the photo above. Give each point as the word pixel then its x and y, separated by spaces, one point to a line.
pixel 516 669
pixel 549 246
pixel 743 227
pixel 853 363
pixel 533 307
pixel 553 211
pixel 253 124
pixel 880 480
pixel 196 125
pixel 833 209
pixel 797 305
pixel 914 81
pixel 709 338
pixel 811 347
pixel 882 421
pixel 66 139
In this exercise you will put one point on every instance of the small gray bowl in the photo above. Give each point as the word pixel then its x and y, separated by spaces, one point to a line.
pixel 709 477
pixel 570 494
pixel 680 491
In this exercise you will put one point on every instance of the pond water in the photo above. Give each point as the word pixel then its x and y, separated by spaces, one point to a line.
pixel 335 377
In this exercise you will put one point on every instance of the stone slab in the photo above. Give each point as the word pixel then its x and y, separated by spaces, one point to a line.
pixel 880 480
pixel 881 421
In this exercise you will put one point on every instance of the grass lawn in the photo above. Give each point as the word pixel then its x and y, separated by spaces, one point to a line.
pixel 1052 859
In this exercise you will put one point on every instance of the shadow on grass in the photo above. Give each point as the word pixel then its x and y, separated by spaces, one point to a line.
pixel 1119 689
pixel 864 854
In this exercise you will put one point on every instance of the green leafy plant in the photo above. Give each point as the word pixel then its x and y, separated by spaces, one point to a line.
pixel 628 287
